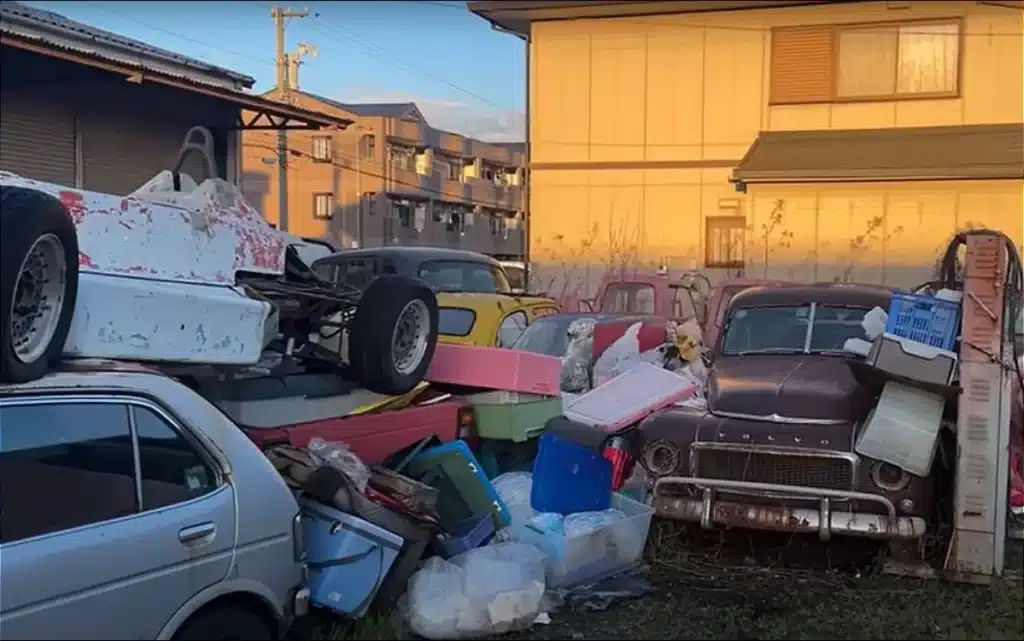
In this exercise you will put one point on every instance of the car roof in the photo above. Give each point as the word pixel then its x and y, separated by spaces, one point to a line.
pixel 838 294
pixel 420 254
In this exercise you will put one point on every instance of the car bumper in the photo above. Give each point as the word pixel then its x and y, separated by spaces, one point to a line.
pixel 711 512
pixel 300 603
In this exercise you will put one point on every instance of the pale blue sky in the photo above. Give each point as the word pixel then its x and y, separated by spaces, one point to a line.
pixel 464 76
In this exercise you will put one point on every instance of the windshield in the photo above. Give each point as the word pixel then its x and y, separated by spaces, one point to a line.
pixel 548 335
pixel 465 276
pixel 775 330
pixel 516 277
pixel 628 298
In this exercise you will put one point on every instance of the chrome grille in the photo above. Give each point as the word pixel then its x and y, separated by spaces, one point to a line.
pixel 775 468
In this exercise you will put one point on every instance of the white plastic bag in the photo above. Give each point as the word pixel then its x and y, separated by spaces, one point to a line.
pixel 579 354
pixel 583 523
pixel 489 590
pixel 514 490
pixel 619 356
pixel 341 458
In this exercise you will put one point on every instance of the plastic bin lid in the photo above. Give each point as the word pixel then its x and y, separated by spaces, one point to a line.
pixel 629 397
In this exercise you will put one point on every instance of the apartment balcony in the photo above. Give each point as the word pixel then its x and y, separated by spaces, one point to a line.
pixel 409 132
pixel 408 183
pixel 489 194
pixel 497 155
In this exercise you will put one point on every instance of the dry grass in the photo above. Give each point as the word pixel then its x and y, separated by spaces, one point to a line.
pixel 741 587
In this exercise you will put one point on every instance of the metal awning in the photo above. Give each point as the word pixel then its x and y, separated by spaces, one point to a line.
pixel 969 152
pixel 267 113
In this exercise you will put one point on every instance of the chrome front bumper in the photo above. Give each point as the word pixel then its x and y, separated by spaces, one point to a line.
pixel 710 512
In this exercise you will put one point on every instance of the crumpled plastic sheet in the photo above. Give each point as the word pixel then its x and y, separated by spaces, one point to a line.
pixel 514 490
pixel 596 596
pixel 341 458
pixel 578 356
pixel 488 590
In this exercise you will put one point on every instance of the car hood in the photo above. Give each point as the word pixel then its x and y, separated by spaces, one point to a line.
pixel 780 388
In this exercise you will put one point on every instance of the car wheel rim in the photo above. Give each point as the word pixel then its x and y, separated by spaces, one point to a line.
pixel 410 338
pixel 38 299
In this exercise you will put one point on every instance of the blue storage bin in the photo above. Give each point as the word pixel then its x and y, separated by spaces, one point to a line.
pixel 348 558
pixel 569 478
pixel 469 534
pixel 464 491
pixel 925 319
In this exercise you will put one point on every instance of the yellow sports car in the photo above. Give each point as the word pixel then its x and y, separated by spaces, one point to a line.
pixel 488 319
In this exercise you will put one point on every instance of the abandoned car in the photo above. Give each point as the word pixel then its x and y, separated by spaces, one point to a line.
pixel 774 449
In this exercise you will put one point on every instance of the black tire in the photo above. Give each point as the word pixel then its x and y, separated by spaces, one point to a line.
pixel 226 622
pixel 373 328
pixel 26 216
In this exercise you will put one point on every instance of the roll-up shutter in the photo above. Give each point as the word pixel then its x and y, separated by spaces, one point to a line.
pixel 123 147
pixel 37 136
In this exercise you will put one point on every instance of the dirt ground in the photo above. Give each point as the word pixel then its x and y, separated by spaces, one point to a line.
pixel 741 588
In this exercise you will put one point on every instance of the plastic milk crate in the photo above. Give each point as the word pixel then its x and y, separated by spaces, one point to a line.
pixel 925 319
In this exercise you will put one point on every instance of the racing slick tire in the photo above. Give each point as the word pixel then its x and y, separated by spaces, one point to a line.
pixel 393 335
pixel 38 282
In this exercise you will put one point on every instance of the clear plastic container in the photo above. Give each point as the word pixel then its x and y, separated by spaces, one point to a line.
pixel 571 561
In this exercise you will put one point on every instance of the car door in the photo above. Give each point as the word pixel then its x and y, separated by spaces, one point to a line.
pixel 111 518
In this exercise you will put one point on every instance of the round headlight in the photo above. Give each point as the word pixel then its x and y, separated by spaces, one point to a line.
pixel 660 458
pixel 889 477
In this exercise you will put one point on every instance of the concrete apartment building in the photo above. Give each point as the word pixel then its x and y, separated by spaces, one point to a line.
pixel 794 139
pixel 390 179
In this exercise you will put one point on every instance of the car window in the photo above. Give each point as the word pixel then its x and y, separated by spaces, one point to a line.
pixel 833 326
pixel 512 327
pixel 455 321
pixel 767 329
pixel 516 277
pixel 465 276
pixel 628 298
pixel 172 471
pixel 64 465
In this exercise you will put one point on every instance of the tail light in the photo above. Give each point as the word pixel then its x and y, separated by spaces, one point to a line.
pixel 298 545
pixel 622 462
pixel 466 421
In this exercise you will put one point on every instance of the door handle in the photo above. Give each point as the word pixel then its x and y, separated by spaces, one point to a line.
pixel 195 533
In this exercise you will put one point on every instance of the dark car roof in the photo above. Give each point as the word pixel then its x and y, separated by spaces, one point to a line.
pixel 415 254
pixel 839 294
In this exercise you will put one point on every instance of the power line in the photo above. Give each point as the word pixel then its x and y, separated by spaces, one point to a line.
pixel 306 156
pixel 180 36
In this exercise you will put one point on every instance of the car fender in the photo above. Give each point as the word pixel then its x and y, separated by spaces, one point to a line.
pixel 215 591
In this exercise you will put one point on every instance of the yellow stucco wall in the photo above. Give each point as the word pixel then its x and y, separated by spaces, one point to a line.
pixel 690 92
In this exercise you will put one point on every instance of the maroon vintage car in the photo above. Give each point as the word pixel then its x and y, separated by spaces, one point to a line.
pixel 774 448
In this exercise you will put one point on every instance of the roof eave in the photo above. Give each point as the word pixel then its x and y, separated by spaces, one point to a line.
pixel 53 36
pixel 515 17
pixel 136 73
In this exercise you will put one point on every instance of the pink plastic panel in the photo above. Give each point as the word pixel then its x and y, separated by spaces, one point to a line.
pixel 629 397
pixel 496 368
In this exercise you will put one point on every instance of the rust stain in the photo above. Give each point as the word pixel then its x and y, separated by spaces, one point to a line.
pixel 766 517
pixel 74 202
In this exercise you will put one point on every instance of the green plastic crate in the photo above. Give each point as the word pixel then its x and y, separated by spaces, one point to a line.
pixel 511 416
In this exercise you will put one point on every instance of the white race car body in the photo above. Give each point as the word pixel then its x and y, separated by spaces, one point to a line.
pixel 158 268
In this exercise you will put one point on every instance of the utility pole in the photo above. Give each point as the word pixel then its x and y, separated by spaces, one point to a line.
pixel 281 17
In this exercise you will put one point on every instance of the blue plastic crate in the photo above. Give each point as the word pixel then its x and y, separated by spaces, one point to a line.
pixel 469 534
pixel 925 319
pixel 569 478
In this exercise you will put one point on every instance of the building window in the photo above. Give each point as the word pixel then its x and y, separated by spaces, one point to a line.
pixel 321 148
pixel 368 146
pixel 402 158
pixel 723 241
pixel 323 206
pixel 498 227
pixel 866 62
